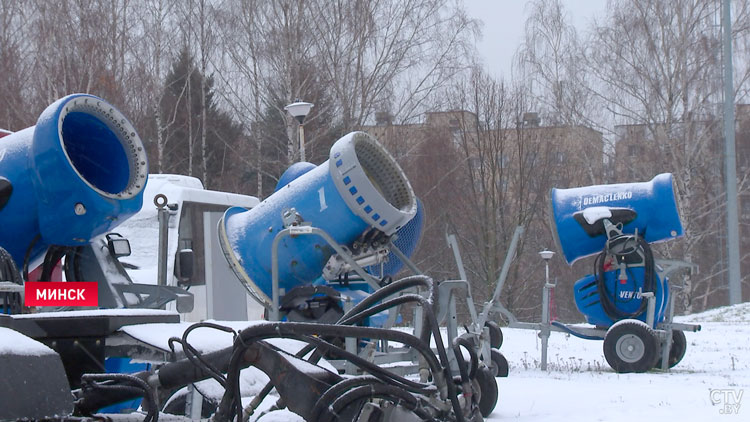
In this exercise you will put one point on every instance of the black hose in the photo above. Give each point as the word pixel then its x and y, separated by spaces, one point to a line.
pixel 474 358
pixel 195 357
pixel 54 254
pixel 137 385
pixel 606 298
pixel 12 302
pixel 389 392
pixel 298 331
pixel 353 315
pixel 336 390
pixel 372 368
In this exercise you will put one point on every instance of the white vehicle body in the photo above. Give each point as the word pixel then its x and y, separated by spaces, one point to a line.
pixel 193 221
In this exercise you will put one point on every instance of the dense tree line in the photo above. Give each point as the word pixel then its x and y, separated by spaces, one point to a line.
pixel 206 82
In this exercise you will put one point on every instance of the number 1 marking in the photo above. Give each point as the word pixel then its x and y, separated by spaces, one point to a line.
pixel 322 196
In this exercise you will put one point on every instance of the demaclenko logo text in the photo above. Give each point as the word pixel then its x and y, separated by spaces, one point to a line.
pixel 607 197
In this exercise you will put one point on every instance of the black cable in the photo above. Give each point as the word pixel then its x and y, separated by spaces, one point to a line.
pixel 54 254
pixel 229 402
pixel 431 325
pixel 390 289
pixel 388 392
pixel 27 256
pixel 136 385
pixel 649 284
pixel 336 390
pixel 372 368
pixel 71 267
pixel 462 371
pixel 196 358
pixel 12 302
pixel 473 357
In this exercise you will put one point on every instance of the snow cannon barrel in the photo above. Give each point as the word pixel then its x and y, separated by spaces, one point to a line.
pixel 578 214
pixel 359 188
pixel 78 173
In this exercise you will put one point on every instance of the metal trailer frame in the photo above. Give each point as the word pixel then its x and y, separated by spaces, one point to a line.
pixel 400 360
pixel 663 330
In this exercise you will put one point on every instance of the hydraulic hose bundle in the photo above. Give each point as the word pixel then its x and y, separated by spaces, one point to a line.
pixel 626 251
pixel 304 387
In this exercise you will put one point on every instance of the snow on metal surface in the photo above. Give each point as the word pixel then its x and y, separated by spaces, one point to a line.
pixel 142 230
pixel 13 342
pixel 95 312
pixel 204 339
pixel 594 214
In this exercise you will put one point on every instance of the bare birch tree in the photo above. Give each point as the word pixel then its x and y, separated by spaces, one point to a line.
pixel 657 64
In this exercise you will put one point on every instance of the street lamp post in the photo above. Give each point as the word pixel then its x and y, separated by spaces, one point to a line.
pixel 545 331
pixel 299 110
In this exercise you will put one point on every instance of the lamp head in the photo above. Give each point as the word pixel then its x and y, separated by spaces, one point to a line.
pixel 546 255
pixel 299 110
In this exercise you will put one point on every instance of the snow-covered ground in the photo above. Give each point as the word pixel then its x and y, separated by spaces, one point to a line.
pixel 710 384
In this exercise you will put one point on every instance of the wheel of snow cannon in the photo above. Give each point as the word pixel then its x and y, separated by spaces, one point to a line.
pixel 496 334
pixel 498 364
pixel 676 351
pixel 631 346
pixel 177 405
pixel 487 389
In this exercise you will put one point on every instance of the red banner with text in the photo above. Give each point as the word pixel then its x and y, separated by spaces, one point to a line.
pixel 62 293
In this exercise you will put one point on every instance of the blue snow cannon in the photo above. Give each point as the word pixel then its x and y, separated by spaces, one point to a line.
pixel 648 207
pixel 618 222
pixel 359 188
pixel 76 174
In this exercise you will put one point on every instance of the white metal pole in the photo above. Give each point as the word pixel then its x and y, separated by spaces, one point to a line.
pixel 302 142
pixel 730 162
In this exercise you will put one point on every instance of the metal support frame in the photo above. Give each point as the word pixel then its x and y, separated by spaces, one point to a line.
pixel 193 403
pixel 446 305
pixel 494 303
pixel 304 231
pixel 665 267
pixel 545 331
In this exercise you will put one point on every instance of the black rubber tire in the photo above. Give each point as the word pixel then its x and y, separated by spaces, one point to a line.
pixel 488 391
pixel 676 351
pixel 496 334
pixel 498 365
pixel 177 407
pixel 631 346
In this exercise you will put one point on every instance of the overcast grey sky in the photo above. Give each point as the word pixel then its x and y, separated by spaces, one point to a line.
pixel 503 28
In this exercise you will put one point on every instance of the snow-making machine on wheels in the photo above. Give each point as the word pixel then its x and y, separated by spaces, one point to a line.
pixel 82 170
pixel 628 297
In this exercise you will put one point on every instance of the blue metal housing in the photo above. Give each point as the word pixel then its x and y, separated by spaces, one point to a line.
pixel 78 173
pixel 360 187
pixel 625 295
pixel 657 218
pixel 292 172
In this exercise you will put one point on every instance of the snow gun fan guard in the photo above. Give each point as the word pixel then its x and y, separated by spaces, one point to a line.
pixel 360 189
pixel 78 173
